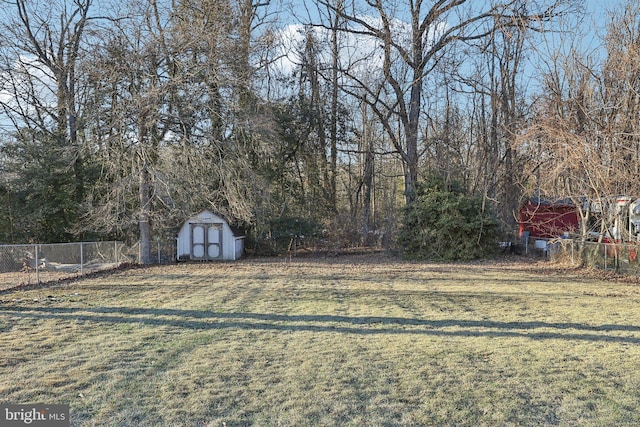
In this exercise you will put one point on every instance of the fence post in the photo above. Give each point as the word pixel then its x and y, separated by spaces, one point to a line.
pixel 81 259
pixel 572 261
pixel 37 260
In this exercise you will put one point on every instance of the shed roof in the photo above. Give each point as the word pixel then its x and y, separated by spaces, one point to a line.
pixel 207 214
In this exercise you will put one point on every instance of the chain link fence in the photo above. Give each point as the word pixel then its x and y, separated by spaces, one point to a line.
pixel 162 251
pixel 22 265
pixel 620 257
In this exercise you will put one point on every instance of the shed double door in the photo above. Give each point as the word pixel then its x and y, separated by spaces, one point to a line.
pixel 206 242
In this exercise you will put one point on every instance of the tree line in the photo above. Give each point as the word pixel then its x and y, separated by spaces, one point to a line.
pixel 121 119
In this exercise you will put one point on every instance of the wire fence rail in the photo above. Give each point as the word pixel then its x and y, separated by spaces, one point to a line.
pixel 619 257
pixel 162 252
pixel 33 264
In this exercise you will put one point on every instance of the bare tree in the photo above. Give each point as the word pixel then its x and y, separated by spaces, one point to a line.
pixel 132 71
pixel 411 52
pixel 177 123
pixel 40 99
pixel 498 91
pixel 584 140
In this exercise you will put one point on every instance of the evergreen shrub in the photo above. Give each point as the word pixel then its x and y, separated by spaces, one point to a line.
pixel 444 223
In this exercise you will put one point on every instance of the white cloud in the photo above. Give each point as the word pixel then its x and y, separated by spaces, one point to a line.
pixel 27 83
pixel 361 54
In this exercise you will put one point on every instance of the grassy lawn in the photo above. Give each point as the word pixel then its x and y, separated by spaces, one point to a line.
pixel 340 341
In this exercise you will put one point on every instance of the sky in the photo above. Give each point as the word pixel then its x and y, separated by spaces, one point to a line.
pixel 591 27
pixel 360 48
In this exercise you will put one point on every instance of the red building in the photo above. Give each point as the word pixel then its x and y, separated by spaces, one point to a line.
pixel 547 219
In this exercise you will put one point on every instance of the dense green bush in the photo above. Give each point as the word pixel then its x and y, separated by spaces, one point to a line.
pixel 443 223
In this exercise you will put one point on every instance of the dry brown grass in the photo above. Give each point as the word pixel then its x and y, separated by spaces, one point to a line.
pixel 356 340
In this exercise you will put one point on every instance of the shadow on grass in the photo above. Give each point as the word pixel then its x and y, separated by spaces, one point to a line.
pixel 365 325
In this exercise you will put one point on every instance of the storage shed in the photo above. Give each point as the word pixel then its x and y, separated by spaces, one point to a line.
pixel 208 237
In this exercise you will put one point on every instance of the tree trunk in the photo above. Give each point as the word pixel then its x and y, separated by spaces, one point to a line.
pixel 368 187
pixel 144 221
pixel 334 109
